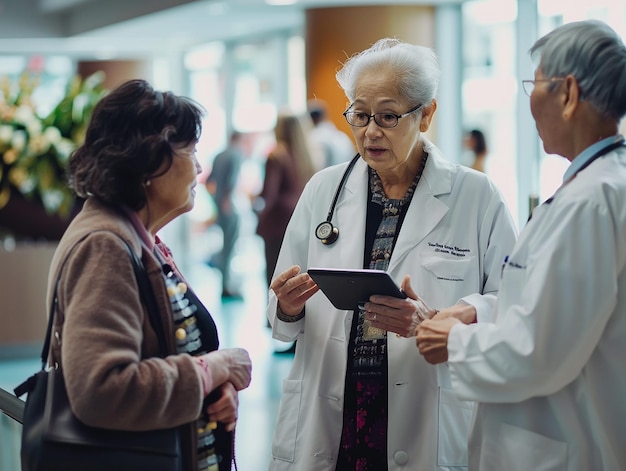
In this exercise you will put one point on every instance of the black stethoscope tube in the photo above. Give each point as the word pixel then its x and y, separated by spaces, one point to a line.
pixel 325 231
pixel 345 176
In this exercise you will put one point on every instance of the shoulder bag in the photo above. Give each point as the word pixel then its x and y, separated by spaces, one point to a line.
pixel 53 439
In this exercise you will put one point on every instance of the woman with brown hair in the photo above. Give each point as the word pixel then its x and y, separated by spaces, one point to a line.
pixel 137 171
pixel 290 164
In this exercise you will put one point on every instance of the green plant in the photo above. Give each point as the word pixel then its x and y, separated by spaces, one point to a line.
pixel 34 150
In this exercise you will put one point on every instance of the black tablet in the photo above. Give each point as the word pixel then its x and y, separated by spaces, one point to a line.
pixel 346 289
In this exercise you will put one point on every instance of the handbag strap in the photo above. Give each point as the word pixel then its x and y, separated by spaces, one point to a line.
pixel 46 345
pixel 147 296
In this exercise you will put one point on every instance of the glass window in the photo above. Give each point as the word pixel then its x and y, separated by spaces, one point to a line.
pixel 51 72
pixel 553 13
pixel 490 88
pixel 242 85
pixel 491 85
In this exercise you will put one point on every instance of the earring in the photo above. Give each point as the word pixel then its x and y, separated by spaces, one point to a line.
pixel 148 182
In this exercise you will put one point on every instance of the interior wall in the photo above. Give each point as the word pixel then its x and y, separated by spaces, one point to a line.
pixel 118 71
pixel 334 34
pixel 23 307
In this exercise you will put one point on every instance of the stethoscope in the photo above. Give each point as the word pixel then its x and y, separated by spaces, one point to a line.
pixel 325 231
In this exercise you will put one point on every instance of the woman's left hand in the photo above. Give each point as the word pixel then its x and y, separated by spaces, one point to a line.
pixel 224 410
pixel 401 316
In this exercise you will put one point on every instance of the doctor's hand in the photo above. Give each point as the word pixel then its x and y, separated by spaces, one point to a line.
pixel 432 339
pixel 462 311
pixel 293 289
pixel 401 316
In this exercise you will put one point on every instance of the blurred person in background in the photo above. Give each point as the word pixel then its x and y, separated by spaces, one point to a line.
pixel 359 395
pixel 222 185
pixel 137 170
pixel 476 143
pixel 289 166
pixel 336 145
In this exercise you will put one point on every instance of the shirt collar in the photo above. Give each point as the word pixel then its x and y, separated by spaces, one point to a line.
pixel 582 158
pixel 139 227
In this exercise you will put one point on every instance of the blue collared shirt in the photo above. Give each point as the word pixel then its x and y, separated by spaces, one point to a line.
pixel 582 158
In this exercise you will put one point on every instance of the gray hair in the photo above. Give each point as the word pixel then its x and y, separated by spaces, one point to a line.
pixel 416 69
pixel 595 55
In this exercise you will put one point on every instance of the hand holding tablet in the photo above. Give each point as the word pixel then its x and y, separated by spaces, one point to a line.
pixel 347 288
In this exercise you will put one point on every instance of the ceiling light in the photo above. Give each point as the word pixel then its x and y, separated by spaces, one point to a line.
pixel 281 2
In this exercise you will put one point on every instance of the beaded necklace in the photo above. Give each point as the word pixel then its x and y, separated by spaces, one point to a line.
pixel 186 308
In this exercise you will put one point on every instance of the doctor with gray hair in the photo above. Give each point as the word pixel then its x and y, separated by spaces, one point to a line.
pixel 549 373
pixel 359 395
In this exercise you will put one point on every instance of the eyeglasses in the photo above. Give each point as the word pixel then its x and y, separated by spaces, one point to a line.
pixel 359 119
pixel 529 85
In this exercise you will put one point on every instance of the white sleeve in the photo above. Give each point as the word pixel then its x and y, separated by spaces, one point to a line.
pixel 551 310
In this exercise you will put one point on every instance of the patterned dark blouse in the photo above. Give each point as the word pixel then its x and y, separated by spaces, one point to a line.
pixel 196 334
pixel 364 434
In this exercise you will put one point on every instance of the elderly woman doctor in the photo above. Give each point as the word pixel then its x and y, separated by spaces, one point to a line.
pixel 359 395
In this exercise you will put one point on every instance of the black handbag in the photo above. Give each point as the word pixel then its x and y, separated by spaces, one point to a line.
pixel 53 439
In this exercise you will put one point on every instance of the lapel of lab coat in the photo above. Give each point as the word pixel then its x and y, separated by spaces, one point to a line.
pixel 425 210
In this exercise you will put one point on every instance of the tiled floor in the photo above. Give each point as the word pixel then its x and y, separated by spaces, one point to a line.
pixel 241 322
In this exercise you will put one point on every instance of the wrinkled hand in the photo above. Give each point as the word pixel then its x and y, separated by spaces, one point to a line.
pixel 401 316
pixel 224 410
pixel 238 365
pixel 432 339
pixel 293 289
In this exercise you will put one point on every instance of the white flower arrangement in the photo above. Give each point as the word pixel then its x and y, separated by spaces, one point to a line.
pixel 33 150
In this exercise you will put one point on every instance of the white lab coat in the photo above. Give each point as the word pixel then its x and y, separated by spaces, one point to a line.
pixel 550 373
pixel 455 234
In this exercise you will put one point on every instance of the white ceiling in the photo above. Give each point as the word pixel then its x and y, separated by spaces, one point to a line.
pixel 123 28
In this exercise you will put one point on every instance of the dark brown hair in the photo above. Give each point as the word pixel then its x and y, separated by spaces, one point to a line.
pixel 131 134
